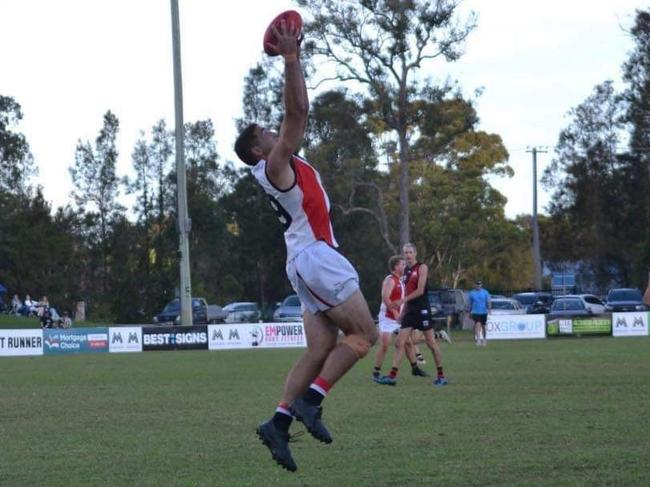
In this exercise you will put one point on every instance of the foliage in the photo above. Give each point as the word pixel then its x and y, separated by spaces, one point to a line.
pixel 16 161
pixel 380 45
pixel 602 193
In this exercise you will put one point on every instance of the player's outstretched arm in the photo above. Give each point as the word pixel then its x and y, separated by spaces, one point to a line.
pixel 296 106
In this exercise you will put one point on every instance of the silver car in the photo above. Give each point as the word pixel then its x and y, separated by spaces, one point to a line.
pixel 289 310
pixel 242 312
pixel 506 306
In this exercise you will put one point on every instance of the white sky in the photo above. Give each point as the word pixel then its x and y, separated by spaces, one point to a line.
pixel 68 61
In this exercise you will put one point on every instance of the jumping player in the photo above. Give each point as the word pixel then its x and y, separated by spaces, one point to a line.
pixel 416 315
pixel 392 296
pixel 326 283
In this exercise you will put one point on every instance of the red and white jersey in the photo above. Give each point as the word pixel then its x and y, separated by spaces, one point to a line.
pixel 396 294
pixel 303 209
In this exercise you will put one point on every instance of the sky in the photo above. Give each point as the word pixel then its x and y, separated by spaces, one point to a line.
pixel 68 62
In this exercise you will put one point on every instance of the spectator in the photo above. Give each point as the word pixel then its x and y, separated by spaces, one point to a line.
pixel 29 306
pixel 66 322
pixel 16 304
pixel 42 306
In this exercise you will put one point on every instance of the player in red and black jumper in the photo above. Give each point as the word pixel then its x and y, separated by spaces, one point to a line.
pixel 415 316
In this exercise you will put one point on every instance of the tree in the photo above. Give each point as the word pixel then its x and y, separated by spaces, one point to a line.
pixel 589 179
pixel 636 73
pixel 16 162
pixel 96 189
pixel 381 44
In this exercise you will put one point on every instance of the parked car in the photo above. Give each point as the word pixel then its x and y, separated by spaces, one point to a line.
pixel 535 302
pixel 448 302
pixel 216 314
pixel 242 312
pixel 171 313
pixel 594 303
pixel 569 306
pixel 289 310
pixel 506 306
pixel 625 299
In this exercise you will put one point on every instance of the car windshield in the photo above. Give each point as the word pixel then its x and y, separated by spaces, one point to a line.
pixel 247 307
pixel 196 303
pixel 499 304
pixel 174 305
pixel 568 305
pixel 291 301
pixel 625 295
pixel 434 300
pixel 525 298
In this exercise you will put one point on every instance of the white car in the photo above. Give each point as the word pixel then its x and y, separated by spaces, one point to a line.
pixel 592 303
pixel 506 306
pixel 242 312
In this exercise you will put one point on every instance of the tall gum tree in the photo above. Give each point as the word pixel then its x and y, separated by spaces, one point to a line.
pixel 381 45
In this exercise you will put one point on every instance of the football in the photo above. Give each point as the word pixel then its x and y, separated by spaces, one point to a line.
pixel 290 17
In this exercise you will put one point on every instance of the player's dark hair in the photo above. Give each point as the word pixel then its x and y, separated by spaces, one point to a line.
pixel 244 145
pixel 393 261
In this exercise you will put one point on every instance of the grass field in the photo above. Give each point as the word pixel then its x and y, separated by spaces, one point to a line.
pixel 528 413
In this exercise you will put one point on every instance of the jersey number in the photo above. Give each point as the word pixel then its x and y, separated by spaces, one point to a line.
pixel 282 214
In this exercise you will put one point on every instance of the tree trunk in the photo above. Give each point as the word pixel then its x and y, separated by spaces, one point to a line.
pixel 404 213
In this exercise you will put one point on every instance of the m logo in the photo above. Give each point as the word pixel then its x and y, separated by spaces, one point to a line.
pixel 217 335
pixel 234 334
pixel 621 322
pixel 125 339
pixel 638 321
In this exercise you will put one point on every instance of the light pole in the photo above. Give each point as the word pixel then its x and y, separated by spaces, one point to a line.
pixel 184 222
pixel 537 259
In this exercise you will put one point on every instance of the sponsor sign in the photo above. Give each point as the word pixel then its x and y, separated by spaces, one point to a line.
pixel 21 342
pixel 629 324
pixel 256 335
pixel 600 325
pixel 592 326
pixel 125 339
pixel 79 340
pixel 174 338
pixel 515 327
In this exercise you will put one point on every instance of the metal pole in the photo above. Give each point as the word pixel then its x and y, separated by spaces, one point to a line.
pixel 184 223
pixel 537 259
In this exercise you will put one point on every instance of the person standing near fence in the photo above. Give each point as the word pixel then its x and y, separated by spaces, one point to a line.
pixel 480 307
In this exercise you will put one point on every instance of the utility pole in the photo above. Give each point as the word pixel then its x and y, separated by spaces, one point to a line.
pixel 184 222
pixel 537 259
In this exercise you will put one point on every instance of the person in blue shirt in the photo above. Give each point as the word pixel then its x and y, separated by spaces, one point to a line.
pixel 479 300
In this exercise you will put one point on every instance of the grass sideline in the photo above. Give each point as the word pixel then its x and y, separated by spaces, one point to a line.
pixel 563 412
pixel 13 322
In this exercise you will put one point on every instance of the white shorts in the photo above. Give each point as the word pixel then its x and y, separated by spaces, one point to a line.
pixel 387 325
pixel 321 277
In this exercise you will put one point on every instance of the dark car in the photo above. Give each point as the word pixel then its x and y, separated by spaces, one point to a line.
pixel 625 299
pixel 536 303
pixel 569 306
pixel 447 302
pixel 171 314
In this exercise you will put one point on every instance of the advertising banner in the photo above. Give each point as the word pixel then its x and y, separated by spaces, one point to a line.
pixel 600 325
pixel 515 327
pixel 75 340
pixel 21 342
pixel 125 339
pixel 630 324
pixel 174 338
pixel 256 335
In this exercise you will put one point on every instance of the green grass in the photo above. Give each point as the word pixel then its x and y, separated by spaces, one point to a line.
pixel 23 322
pixel 18 322
pixel 564 412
